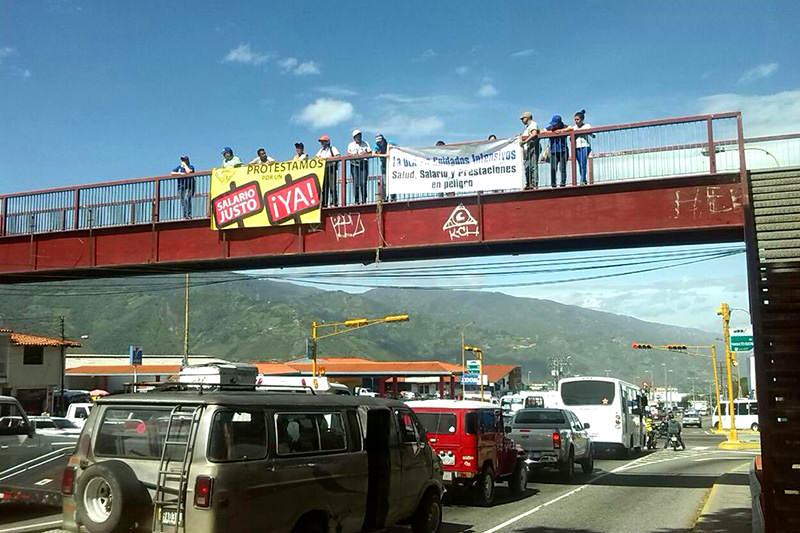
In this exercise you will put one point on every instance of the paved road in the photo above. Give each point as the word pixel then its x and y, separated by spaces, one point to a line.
pixel 661 491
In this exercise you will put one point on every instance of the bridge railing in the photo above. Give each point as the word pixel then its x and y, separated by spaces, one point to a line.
pixel 684 146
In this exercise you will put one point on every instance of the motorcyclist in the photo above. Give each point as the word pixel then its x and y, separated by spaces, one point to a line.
pixel 673 428
pixel 650 432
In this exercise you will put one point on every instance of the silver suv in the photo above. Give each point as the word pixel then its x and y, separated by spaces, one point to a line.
pixel 204 462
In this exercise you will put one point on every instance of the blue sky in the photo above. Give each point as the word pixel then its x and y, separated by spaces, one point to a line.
pixel 101 90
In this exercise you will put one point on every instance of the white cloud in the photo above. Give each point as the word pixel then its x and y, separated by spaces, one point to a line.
pixel 7 51
pixel 523 53
pixel 298 68
pixel 487 88
pixel 403 126
pixel 765 70
pixel 336 90
pixel 245 55
pixel 462 70
pixel 769 114
pixel 324 112
pixel 306 67
pixel 430 53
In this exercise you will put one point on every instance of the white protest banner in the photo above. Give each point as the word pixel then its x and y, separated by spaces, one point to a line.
pixel 464 168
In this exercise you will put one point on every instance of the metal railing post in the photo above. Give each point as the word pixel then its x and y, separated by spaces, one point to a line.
pixel 157 199
pixel 712 155
pixel 573 153
pixel 740 141
pixel 76 206
pixel 4 217
pixel 343 188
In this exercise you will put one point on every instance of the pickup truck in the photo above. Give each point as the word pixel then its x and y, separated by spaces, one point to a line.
pixel 31 462
pixel 553 438
pixel 77 413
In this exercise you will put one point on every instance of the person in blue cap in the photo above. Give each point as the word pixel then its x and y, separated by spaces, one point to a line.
pixel 228 159
pixel 559 151
pixel 185 184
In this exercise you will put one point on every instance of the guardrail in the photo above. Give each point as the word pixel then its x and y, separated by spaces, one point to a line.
pixel 684 146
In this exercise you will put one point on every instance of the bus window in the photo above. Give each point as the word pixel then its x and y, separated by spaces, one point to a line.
pixel 588 392
pixel 753 408
pixel 741 409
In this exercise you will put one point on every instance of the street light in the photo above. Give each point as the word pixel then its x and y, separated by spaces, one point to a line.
pixel 725 312
pixel 719 148
pixel 348 325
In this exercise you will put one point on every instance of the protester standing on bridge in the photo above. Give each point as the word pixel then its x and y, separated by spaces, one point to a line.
pixel 185 184
pixel 582 146
pixel 261 158
pixel 228 159
pixel 299 152
pixel 530 149
pixel 359 168
pixel 329 192
pixel 558 151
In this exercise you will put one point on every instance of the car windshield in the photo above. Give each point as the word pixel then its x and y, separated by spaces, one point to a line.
pixel 539 417
pixel 438 423
pixel 587 392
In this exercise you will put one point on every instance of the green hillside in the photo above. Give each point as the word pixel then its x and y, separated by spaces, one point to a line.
pixel 262 320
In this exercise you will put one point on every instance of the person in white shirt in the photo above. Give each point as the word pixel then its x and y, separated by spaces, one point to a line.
pixel 261 158
pixel 582 145
pixel 330 195
pixel 359 168
pixel 299 152
pixel 228 159
pixel 530 149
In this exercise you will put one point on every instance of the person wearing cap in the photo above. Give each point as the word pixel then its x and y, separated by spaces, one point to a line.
pixel 559 152
pixel 299 152
pixel 228 159
pixel 330 195
pixel 359 168
pixel 261 158
pixel 185 184
pixel 529 139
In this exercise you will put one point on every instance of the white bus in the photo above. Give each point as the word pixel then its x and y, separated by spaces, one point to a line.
pixel 611 407
pixel 745 415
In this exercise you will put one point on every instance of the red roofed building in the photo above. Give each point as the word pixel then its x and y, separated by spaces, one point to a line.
pixel 31 368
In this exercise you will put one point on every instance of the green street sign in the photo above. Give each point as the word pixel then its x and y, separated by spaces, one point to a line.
pixel 473 366
pixel 741 341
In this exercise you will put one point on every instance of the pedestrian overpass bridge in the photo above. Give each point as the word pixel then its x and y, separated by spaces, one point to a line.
pixel 670 181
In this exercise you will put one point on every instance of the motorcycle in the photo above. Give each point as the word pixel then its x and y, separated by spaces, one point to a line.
pixel 673 441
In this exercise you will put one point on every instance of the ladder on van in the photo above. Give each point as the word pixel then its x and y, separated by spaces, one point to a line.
pixel 168 499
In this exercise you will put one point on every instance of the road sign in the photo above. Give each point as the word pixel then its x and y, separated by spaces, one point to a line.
pixel 134 355
pixel 473 366
pixel 742 340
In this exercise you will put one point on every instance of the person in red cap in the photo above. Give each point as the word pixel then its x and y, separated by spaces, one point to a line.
pixel 326 151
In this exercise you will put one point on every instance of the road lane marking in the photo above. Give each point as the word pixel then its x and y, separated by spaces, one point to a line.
pixel 33 466
pixel 559 498
pixel 31 527
pixel 701 447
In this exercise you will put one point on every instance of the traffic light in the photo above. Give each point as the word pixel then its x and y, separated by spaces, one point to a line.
pixel 676 347
pixel 640 346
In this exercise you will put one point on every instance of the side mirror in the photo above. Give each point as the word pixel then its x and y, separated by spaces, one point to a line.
pixel 586 425
pixel 508 429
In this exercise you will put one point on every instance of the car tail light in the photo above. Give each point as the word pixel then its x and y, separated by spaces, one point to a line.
pixel 556 440
pixel 68 480
pixel 203 488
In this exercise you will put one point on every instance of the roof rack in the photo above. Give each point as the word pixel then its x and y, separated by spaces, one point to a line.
pixel 168 386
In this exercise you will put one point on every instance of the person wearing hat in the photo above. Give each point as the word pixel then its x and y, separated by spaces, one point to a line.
pixel 228 159
pixel 185 185
pixel 299 152
pixel 530 149
pixel 558 152
pixel 330 195
pixel 359 168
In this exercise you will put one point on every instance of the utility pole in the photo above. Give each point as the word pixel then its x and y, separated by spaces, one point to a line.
pixel 186 321
pixel 63 364
pixel 725 312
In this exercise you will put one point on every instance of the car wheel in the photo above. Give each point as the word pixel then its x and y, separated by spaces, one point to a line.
pixel 519 479
pixel 110 498
pixel 588 464
pixel 428 518
pixel 754 426
pixel 311 523
pixel 567 469
pixel 484 487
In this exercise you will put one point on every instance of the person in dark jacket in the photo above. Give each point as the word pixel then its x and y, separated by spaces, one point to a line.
pixel 559 152
pixel 185 184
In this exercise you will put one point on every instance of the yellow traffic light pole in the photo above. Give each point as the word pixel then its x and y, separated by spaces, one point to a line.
pixel 479 354
pixel 344 326
pixel 684 349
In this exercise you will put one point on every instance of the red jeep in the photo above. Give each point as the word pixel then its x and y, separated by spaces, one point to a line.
pixel 475 451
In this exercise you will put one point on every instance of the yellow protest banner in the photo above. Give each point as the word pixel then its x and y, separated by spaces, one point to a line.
pixel 269 194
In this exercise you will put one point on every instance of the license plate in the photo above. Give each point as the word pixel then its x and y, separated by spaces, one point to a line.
pixel 447 476
pixel 169 518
